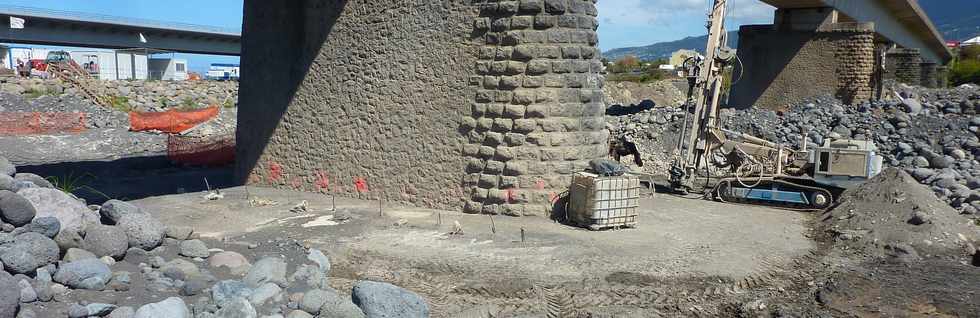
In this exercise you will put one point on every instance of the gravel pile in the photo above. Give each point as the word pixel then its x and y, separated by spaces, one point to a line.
pixel 893 215
pixel 60 257
pixel 930 133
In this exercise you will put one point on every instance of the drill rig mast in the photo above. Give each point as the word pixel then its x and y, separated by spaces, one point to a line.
pixel 747 168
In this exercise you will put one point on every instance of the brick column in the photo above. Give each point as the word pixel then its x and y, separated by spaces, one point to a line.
pixel 906 66
pixel 537 110
pixel 855 54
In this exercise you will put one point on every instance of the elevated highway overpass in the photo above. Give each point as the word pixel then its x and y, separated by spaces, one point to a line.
pixel 843 48
pixel 63 28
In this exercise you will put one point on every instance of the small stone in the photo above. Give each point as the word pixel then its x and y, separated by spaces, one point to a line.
pixel 108 260
pixel 106 240
pixel 235 262
pixel 194 248
pixel 47 226
pixel 180 270
pixel 299 314
pixel 193 287
pixel 320 259
pixel 179 232
pixel 120 281
pixel 90 274
pixel 266 270
pixel 77 254
pixel 113 210
pixel 386 300
pixel 264 293
pixel 15 209
pixel 123 312
pixel 172 307
pixel 236 308
pixel 142 230
pixel 27 292
pixel 9 296
pixel 229 289
pixel 920 218
pixel 29 252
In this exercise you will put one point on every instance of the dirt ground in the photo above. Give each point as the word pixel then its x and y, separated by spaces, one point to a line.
pixel 685 258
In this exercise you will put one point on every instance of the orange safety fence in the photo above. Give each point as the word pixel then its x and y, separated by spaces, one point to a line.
pixel 170 121
pixel 41 123
pixel 198 151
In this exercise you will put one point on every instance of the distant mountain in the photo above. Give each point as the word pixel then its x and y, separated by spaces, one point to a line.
pixel 955 19
pixel 664 49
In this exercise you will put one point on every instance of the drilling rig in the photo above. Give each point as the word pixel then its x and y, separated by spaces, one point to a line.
pixel 736 167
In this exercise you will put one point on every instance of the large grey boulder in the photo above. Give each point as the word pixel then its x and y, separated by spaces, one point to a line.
pixel 143 230
pixel 15 209
pixel 89 273
pixel 106 240
pixel 113 210
pixel 35 179
pixel 172 307
pixel 9 296
pixel 267 270
pixel 72 214
pixel 383 300
pixel 29 252
pixel 7 168
pixel 236 308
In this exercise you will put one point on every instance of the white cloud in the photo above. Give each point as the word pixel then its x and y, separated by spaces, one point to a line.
pixel 666 12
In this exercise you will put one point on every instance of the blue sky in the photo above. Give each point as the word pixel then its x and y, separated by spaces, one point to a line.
pixel 622 23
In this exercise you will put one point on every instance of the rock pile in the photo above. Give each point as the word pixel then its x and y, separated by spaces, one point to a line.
pixel 139 95
pixel 931 133
pixel 62 258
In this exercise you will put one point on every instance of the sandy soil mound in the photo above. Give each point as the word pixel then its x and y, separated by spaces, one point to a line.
pixel 893 215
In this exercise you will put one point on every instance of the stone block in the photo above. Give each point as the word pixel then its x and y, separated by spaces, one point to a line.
pixel 504 154
pixel 493 139
pixel 487 152
pixel 525 126
pixel 514 111
pixel 503 125
pixel 521 22
pixel 538 67
pixel 531 6
pixel 488 181
pixel 494 167
pixel 514 139
pixel 515 168
pixel 537 111
pixel 545 21
pixel 524 97
pixel 555 6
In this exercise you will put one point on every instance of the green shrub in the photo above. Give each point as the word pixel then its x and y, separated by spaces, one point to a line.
pixel 38 92
pixel 120 103
pixel 965 71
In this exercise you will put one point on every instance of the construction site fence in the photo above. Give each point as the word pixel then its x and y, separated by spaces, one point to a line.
pixel 41 123
pixel 171 121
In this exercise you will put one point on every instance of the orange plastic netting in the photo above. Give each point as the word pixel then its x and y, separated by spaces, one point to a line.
pixel 170 121
pixel 37 123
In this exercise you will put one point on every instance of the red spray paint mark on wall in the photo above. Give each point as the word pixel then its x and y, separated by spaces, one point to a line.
pixel 322 181
pixel 510 195
pixel 275 172
pixel 539 184
pixel 552 197
pixel 296 183
pixel 360 185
